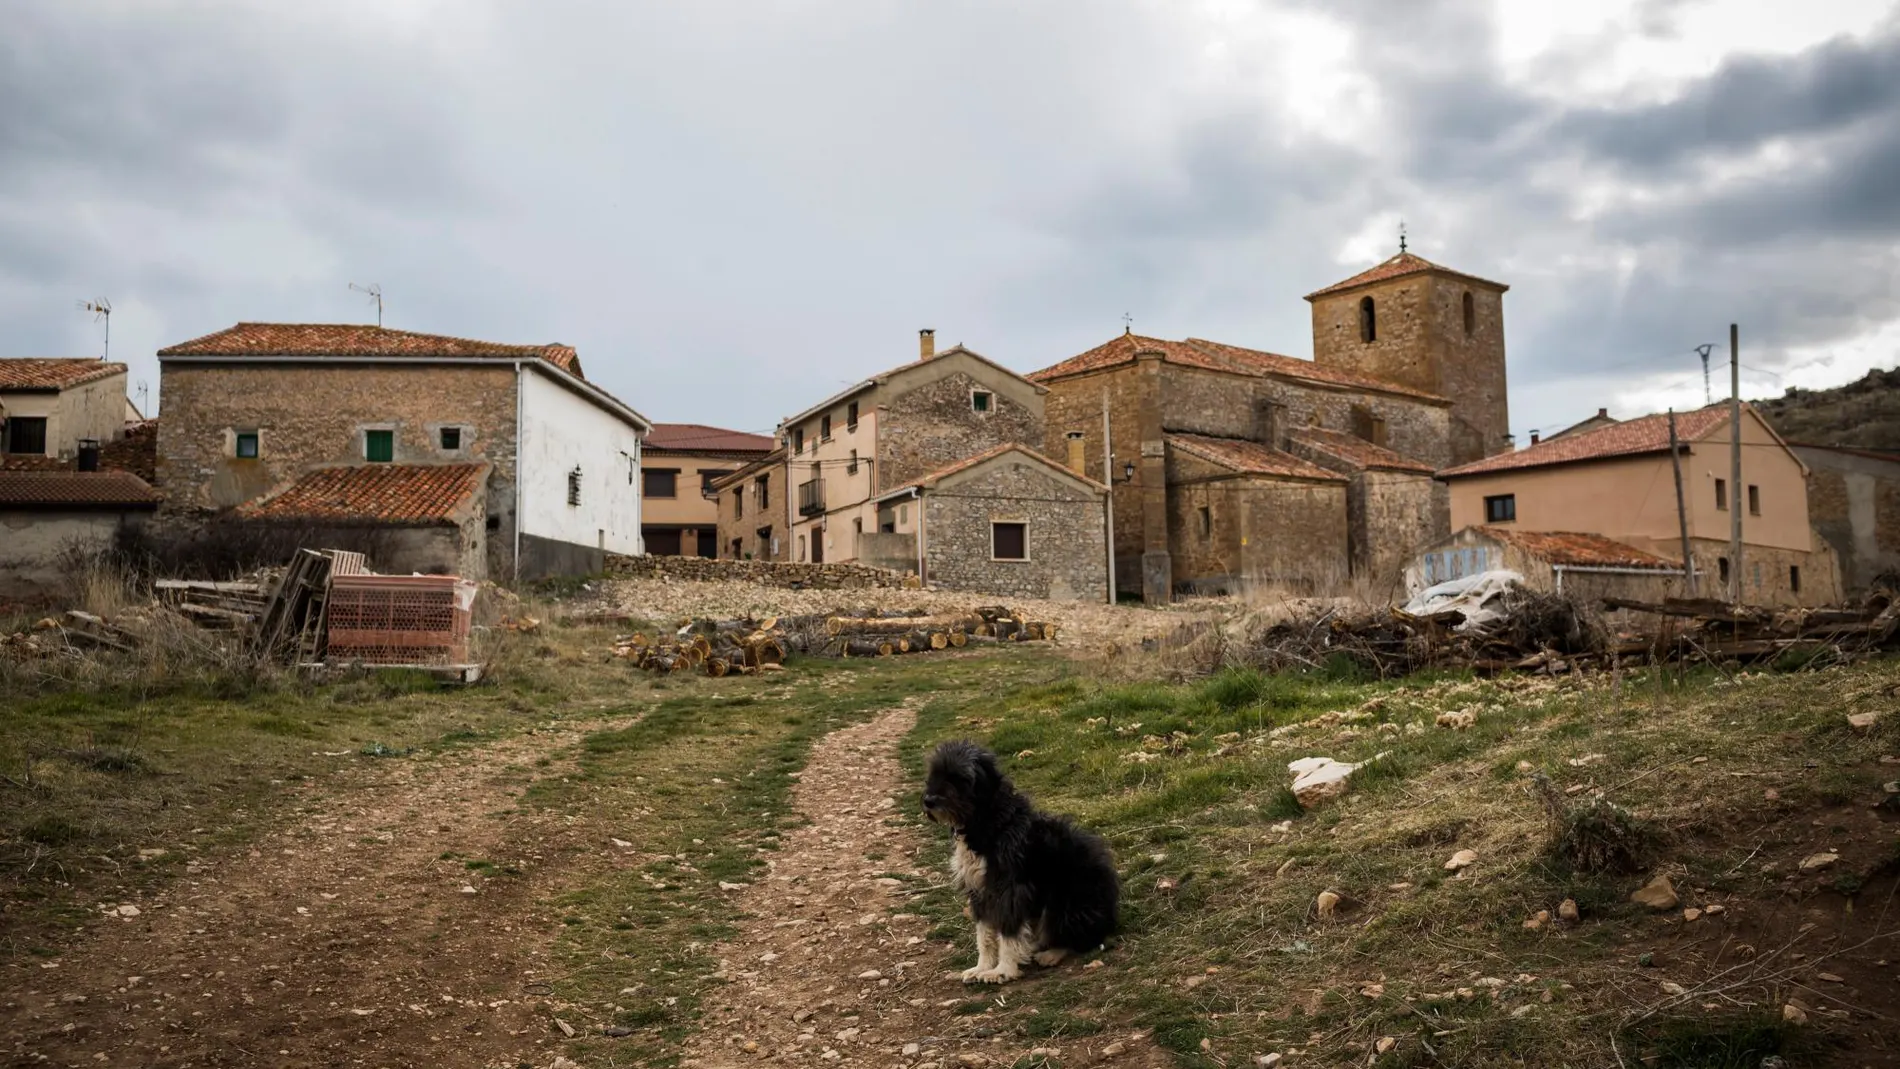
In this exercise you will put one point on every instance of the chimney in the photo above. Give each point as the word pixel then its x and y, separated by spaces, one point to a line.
pixel 1533 437
pixel 1076 463
pixel 1603 413
pixel 88 454
pixel 926 343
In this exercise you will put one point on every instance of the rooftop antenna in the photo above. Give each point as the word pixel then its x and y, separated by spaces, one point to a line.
pixel 1708 396
pixel 101 309
pixel 375 293
pixel 1401 237
pixel 1128 323
pixel 145 398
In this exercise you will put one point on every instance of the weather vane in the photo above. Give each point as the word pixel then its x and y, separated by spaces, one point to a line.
pixel 1401 237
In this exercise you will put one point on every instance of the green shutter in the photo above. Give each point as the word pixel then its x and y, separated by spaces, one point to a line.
pixel 379 446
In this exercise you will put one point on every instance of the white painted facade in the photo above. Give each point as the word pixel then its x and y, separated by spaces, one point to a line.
pixel 563 430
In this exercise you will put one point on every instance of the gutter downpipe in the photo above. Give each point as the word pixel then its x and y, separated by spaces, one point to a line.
pixel 520 382
pixel 1595 569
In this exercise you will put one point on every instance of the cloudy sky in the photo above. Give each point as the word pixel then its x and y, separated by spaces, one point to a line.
pixel 734 208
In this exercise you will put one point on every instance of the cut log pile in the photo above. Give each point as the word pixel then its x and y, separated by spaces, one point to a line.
pixel 1706 629
pixel 748 646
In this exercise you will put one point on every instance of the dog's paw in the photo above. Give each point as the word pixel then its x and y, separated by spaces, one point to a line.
pixel 1052 957
pixel 970 975
pixel 998 976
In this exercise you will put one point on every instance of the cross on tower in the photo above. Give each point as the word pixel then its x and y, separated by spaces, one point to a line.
pixel 1401 237
pixel 1128 323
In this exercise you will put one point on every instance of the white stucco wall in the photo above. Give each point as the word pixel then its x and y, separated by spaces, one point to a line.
pixel 34 543
pixel 561 430
pixel 91 410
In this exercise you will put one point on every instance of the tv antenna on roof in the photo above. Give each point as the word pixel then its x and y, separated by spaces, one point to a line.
pixel 375 293
pixel 101 309
pixel 1708 397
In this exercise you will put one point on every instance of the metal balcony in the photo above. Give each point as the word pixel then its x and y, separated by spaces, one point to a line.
pixel 811 498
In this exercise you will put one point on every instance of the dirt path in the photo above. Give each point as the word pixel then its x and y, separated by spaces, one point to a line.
pixel 831 968
pixel 358 935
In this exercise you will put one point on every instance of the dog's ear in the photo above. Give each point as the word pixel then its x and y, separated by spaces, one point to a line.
pixel 984 773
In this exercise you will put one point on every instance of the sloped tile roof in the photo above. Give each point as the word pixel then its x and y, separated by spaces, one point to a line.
pixel 1399 266
pixel 938 476
pixel 1358 452
pixel 697 437
pixel 410 494
pixel 53 372
pixel 1250 458
pixel 350 339
pixel 1576 548
pixel 1632 437
pixel 74 489
pixel 1216 356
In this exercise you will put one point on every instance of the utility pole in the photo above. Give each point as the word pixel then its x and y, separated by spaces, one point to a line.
pixel 1735 494
pixel 1682 514
pixel 1108 480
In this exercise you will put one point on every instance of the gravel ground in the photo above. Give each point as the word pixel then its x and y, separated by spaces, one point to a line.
pixel 1084 624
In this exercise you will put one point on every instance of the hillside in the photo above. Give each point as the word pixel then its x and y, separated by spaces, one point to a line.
pixel 1864 414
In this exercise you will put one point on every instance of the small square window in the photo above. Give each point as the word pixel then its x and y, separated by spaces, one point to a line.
pixel 1207 522
pixel 379 447
pixel 574 489
pixel 824 427
pixel 451 438
pixel 1009 541
pixel 1501 508
pixel 1794 578
pixel 851 417
pixel 980 401
pixel 660 482
pixel 1754 500
pixel 1721 494
pixel 246 445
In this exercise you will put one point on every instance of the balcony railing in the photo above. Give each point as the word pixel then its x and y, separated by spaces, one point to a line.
pixel 811 498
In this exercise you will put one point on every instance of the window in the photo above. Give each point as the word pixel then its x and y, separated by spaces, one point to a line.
pixel 1794 578
pixel 798 440
pixel 1368 321
pixel 1009 541
pixel 801 547
pixel 857 537
pixel 1207 522
pixel 451 438
pixel 660 482
pixel 738 548
pixel 1721 570
pixel 851 417
pixel 1500 509
pixel 574 498
pixel 763 484
pixel 379 447
pixel 708 543
pixel 706 480
pixel 27 434
pixel 852 468
pixel 1721 494
pixel 738 502
pixel 244 447
pixel 824 428
pixel 980 400
pixel 1471 314
pixel 1754 500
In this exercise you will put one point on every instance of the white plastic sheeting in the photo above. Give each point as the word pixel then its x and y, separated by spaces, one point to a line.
pixel 1478 597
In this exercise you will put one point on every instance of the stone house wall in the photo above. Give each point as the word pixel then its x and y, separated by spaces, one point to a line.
pixel 1854 505
pixel 1066 547
pixel 740 521
pixel 933 426
pixel 1393 514
pixel 310 416
pixel 1257 530
pixel 39 544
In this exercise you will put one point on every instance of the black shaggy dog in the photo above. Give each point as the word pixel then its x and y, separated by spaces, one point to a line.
pixel 1040 889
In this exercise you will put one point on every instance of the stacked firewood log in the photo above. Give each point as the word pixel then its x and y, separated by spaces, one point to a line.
pixel 748 646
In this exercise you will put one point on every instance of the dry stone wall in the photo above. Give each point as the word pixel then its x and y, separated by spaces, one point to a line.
pixel 787 574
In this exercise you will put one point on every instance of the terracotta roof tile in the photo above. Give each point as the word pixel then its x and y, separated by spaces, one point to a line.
pixel 1575 548
pixel 350 339
pixel 137 452
pixel 697 437
pixel 991 453
pixel 1250 458
pixel 53 373
pixel 1215 356
pixel 74 489
pixel 1357 452
pixel 1632 437
pixel 427 494
pixel 1399 266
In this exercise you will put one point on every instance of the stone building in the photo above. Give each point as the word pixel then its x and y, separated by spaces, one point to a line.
pixel 256 407
pixel 891 429
pixel 49 405
pixel 753 510
pixel 1007 521
pixel 1618 482
pixel 1854 504
pixel 682 463
pixel 1407 377
pixel 50 518
pixel 422 518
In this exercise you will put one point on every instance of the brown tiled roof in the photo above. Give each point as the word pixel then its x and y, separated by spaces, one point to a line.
pixel 1575 548
pixel 1250 458
pixel 1632 437
pixel 372 493
pixel 699 438
pixel 74 489
pixel 1215 356
pixel 991 453
pixel 1399 266
pixel 350 339
pixel 1358 452
pixel 38 374
pixel 34 462
pixel 136 453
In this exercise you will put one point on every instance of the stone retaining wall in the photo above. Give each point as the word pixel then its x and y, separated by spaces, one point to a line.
pixel 789 574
